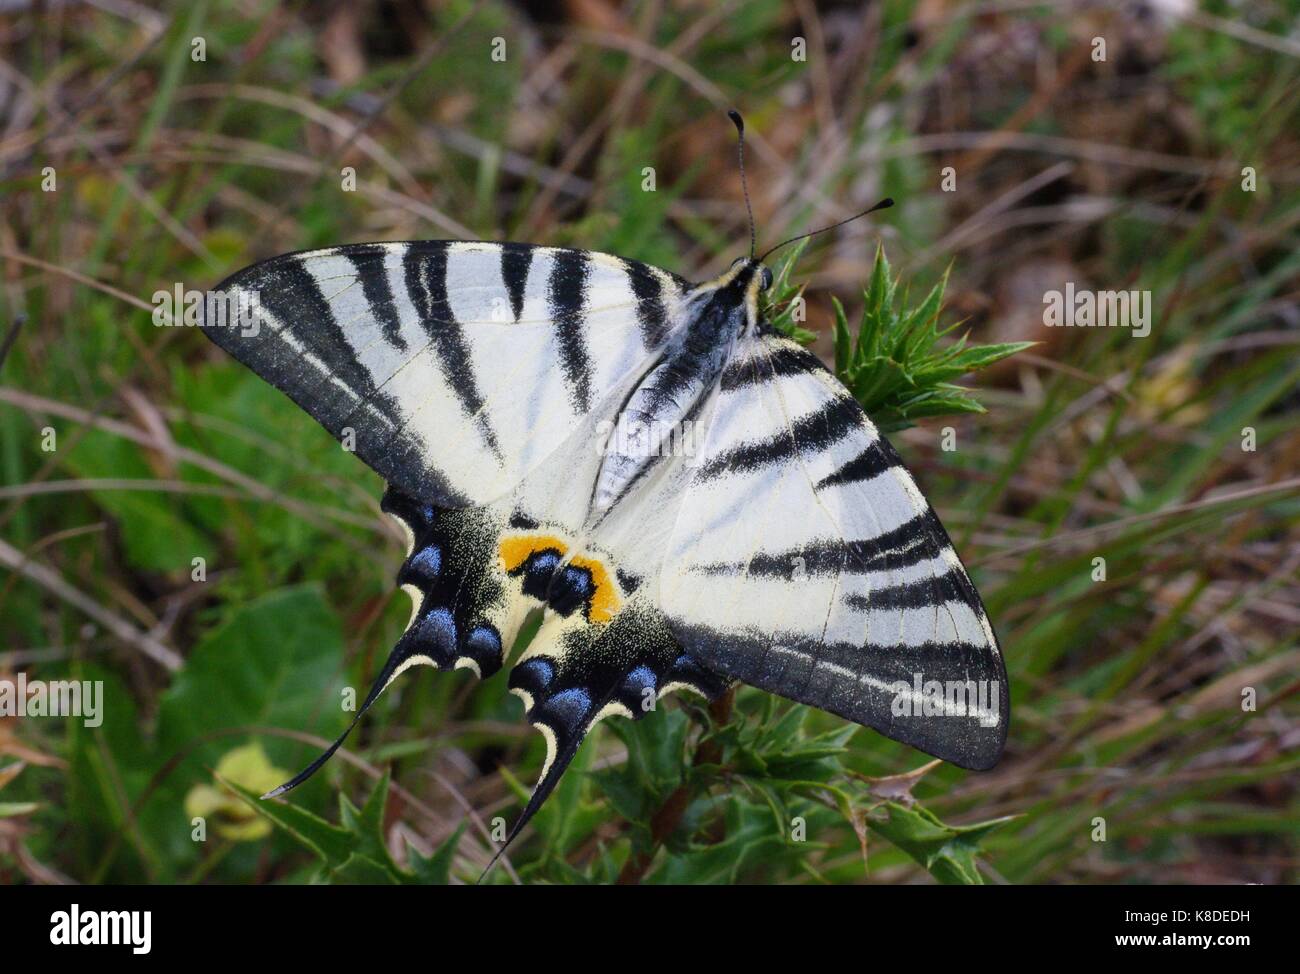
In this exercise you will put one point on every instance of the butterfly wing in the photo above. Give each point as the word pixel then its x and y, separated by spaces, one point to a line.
pixel 452 368
pixel 805 561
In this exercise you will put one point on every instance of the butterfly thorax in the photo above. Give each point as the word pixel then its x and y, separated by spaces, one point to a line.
pixel 653 422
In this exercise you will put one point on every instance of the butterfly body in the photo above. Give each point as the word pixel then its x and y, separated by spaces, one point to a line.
pixel 686 497
pixel 676 387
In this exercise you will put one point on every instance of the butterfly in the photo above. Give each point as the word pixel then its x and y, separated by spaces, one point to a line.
pixel 686 497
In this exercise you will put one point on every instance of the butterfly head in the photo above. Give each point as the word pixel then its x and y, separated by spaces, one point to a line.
pixel 728 305
pixel 737 289
pixel 747 268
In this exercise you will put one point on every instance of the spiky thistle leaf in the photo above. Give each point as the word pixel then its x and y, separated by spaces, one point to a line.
pixel 901 366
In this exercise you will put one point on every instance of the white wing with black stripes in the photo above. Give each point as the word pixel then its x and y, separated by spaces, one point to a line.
pixel 687 499
pixel 806 561
pixel 458 367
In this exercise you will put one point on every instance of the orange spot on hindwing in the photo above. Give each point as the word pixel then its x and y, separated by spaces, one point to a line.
pixel 604 601
pixel 516 548
pixel 526 555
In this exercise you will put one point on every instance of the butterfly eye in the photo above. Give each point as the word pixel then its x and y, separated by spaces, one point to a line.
pixel 765 281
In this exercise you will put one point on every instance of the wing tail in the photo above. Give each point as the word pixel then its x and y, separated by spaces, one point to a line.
pixel 417 645
pixel 589 672
pixel 398 659
pixel 563 746
pixel 449 626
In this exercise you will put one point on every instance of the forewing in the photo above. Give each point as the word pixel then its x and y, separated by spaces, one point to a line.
pixel 453 368
pixel 805 561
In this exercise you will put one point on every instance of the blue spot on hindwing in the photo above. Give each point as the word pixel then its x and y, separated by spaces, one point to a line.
pixel 484 640
pixel 639 680
pixel 538 571
pixel 568 709
pixel 638 690
pixel 438 628
pixel 535 673
pixel 571 589
pixel 424 565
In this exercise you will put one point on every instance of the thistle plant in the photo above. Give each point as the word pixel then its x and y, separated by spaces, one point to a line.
pixel 901 366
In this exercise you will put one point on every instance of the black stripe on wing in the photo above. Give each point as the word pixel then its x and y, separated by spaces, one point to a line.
pixel 304 349
pixel 516 259
pixel 293 296
pixel 335 389
pixel 918 539
pixel 829 424
pixel 567 294
pixel 369 261
pixel 950 586
pixel 874 460
pixel 785 359
pixel 425 271
pixel 651 310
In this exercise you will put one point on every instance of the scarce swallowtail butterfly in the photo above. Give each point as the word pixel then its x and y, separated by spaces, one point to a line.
pixel 689 498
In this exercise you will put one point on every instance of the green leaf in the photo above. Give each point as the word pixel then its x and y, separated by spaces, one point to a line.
pixel 750 836
pixel 778 301
pixel 353 852
pixel 898 369
pixel 982 356
pixel 655 766
pixel 435 870
pixel 359 870
pixel 843 340
pixel 331 844
pixel 367 825
pixel 947 851
pixel 229 815
pixel 158 529
pixel 273 662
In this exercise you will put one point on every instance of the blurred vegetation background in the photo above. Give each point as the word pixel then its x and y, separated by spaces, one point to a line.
pixel 143 147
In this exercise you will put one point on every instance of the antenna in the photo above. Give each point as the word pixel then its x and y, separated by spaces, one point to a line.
pixel 884 204
pixel 744 183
